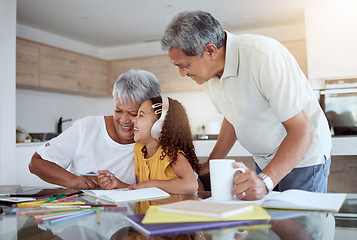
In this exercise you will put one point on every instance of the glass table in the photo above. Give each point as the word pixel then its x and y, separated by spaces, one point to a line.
pixel 113 225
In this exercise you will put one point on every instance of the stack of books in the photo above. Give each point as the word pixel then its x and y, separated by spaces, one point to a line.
pixel 191 216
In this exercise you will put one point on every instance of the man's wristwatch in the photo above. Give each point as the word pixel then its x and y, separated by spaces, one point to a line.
pixel 267 181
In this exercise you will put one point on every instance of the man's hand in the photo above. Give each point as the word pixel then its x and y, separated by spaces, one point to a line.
pixel 248 185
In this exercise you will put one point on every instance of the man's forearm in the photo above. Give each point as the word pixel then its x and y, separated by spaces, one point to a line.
pixel 292 149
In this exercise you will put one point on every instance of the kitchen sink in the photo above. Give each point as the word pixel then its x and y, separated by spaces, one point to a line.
pixel 43 137
pixel 205 137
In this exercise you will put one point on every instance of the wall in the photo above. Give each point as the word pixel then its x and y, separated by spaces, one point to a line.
pixel 7 90
pixel 331 42
pixel 38 111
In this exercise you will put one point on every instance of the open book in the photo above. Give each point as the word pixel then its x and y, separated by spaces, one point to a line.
pixel 125 195
pixel 204 208
pixel 300 200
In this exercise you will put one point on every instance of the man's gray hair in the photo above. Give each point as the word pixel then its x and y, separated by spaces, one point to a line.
pixel 192 31
pixel 136 85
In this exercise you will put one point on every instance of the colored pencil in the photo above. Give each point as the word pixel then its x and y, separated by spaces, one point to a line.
pixel 29 212
pixel 52 204
pixel 98 216
pixel 56 213
pixel 32 202
pixel 71 217
pixel 57 216
pixel 54 198
pixel 67 198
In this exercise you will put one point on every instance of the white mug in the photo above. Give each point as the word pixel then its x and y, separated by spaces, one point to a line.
pixel 222 175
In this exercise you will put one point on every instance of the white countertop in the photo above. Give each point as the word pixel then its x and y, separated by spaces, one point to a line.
pixel 30 144
pixel 340 146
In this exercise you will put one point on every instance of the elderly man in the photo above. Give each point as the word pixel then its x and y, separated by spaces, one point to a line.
pixel 267 103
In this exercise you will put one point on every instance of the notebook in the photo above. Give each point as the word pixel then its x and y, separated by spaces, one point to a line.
pixel 299 200
pixel 153 215
pixel 204 208
pixel 8 201
pixel 126 195
pixel 39 192
pixel 181 228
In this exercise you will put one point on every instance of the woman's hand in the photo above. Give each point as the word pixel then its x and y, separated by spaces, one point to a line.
pixel 84 182
pixel 107 180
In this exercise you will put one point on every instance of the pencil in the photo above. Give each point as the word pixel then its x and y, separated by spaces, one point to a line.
pixel 71 217
pixel 58 216
pixel 67 198
pixel 54 198
pixel 98 216
pixel 32 202
pixel 56 213
pixel 29 212
pixel 101 205
pixel 51 204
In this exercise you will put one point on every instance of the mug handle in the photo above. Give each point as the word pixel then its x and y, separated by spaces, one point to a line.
pixel 242 170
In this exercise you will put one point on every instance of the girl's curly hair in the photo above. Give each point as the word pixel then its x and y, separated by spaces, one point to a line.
pixel 176 133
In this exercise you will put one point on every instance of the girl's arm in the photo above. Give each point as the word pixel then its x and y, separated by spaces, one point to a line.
pixel 184 183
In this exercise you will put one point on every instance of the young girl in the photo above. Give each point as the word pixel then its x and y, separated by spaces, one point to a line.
pixel 164 153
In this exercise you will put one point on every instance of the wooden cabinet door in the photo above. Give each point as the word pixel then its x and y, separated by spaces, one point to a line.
pixel 27 63
pixel 176 83
pixel 92 75
pixel 167 74
pixel 117 67
pixel 58 69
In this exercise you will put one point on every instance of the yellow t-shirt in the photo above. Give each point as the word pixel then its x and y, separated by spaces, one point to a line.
pixel 152 168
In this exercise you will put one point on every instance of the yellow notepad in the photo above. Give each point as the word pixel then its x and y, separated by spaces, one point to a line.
pixel 205 208
pixel 155 216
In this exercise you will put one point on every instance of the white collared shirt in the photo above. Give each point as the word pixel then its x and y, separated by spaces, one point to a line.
pixel 262 85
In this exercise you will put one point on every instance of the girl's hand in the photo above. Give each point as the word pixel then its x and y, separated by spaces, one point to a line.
pixel 107 180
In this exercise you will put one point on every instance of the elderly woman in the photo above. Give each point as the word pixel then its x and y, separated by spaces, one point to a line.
pixel 98 142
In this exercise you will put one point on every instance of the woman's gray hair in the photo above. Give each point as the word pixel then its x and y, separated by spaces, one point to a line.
pixel 192 31
pixel 136 85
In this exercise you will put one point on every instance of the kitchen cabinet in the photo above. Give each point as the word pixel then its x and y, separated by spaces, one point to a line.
pixel 43 67
pixel 49 68
pixel 58 69
pixel 92 75
pixel 27 63
pixel 167 74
